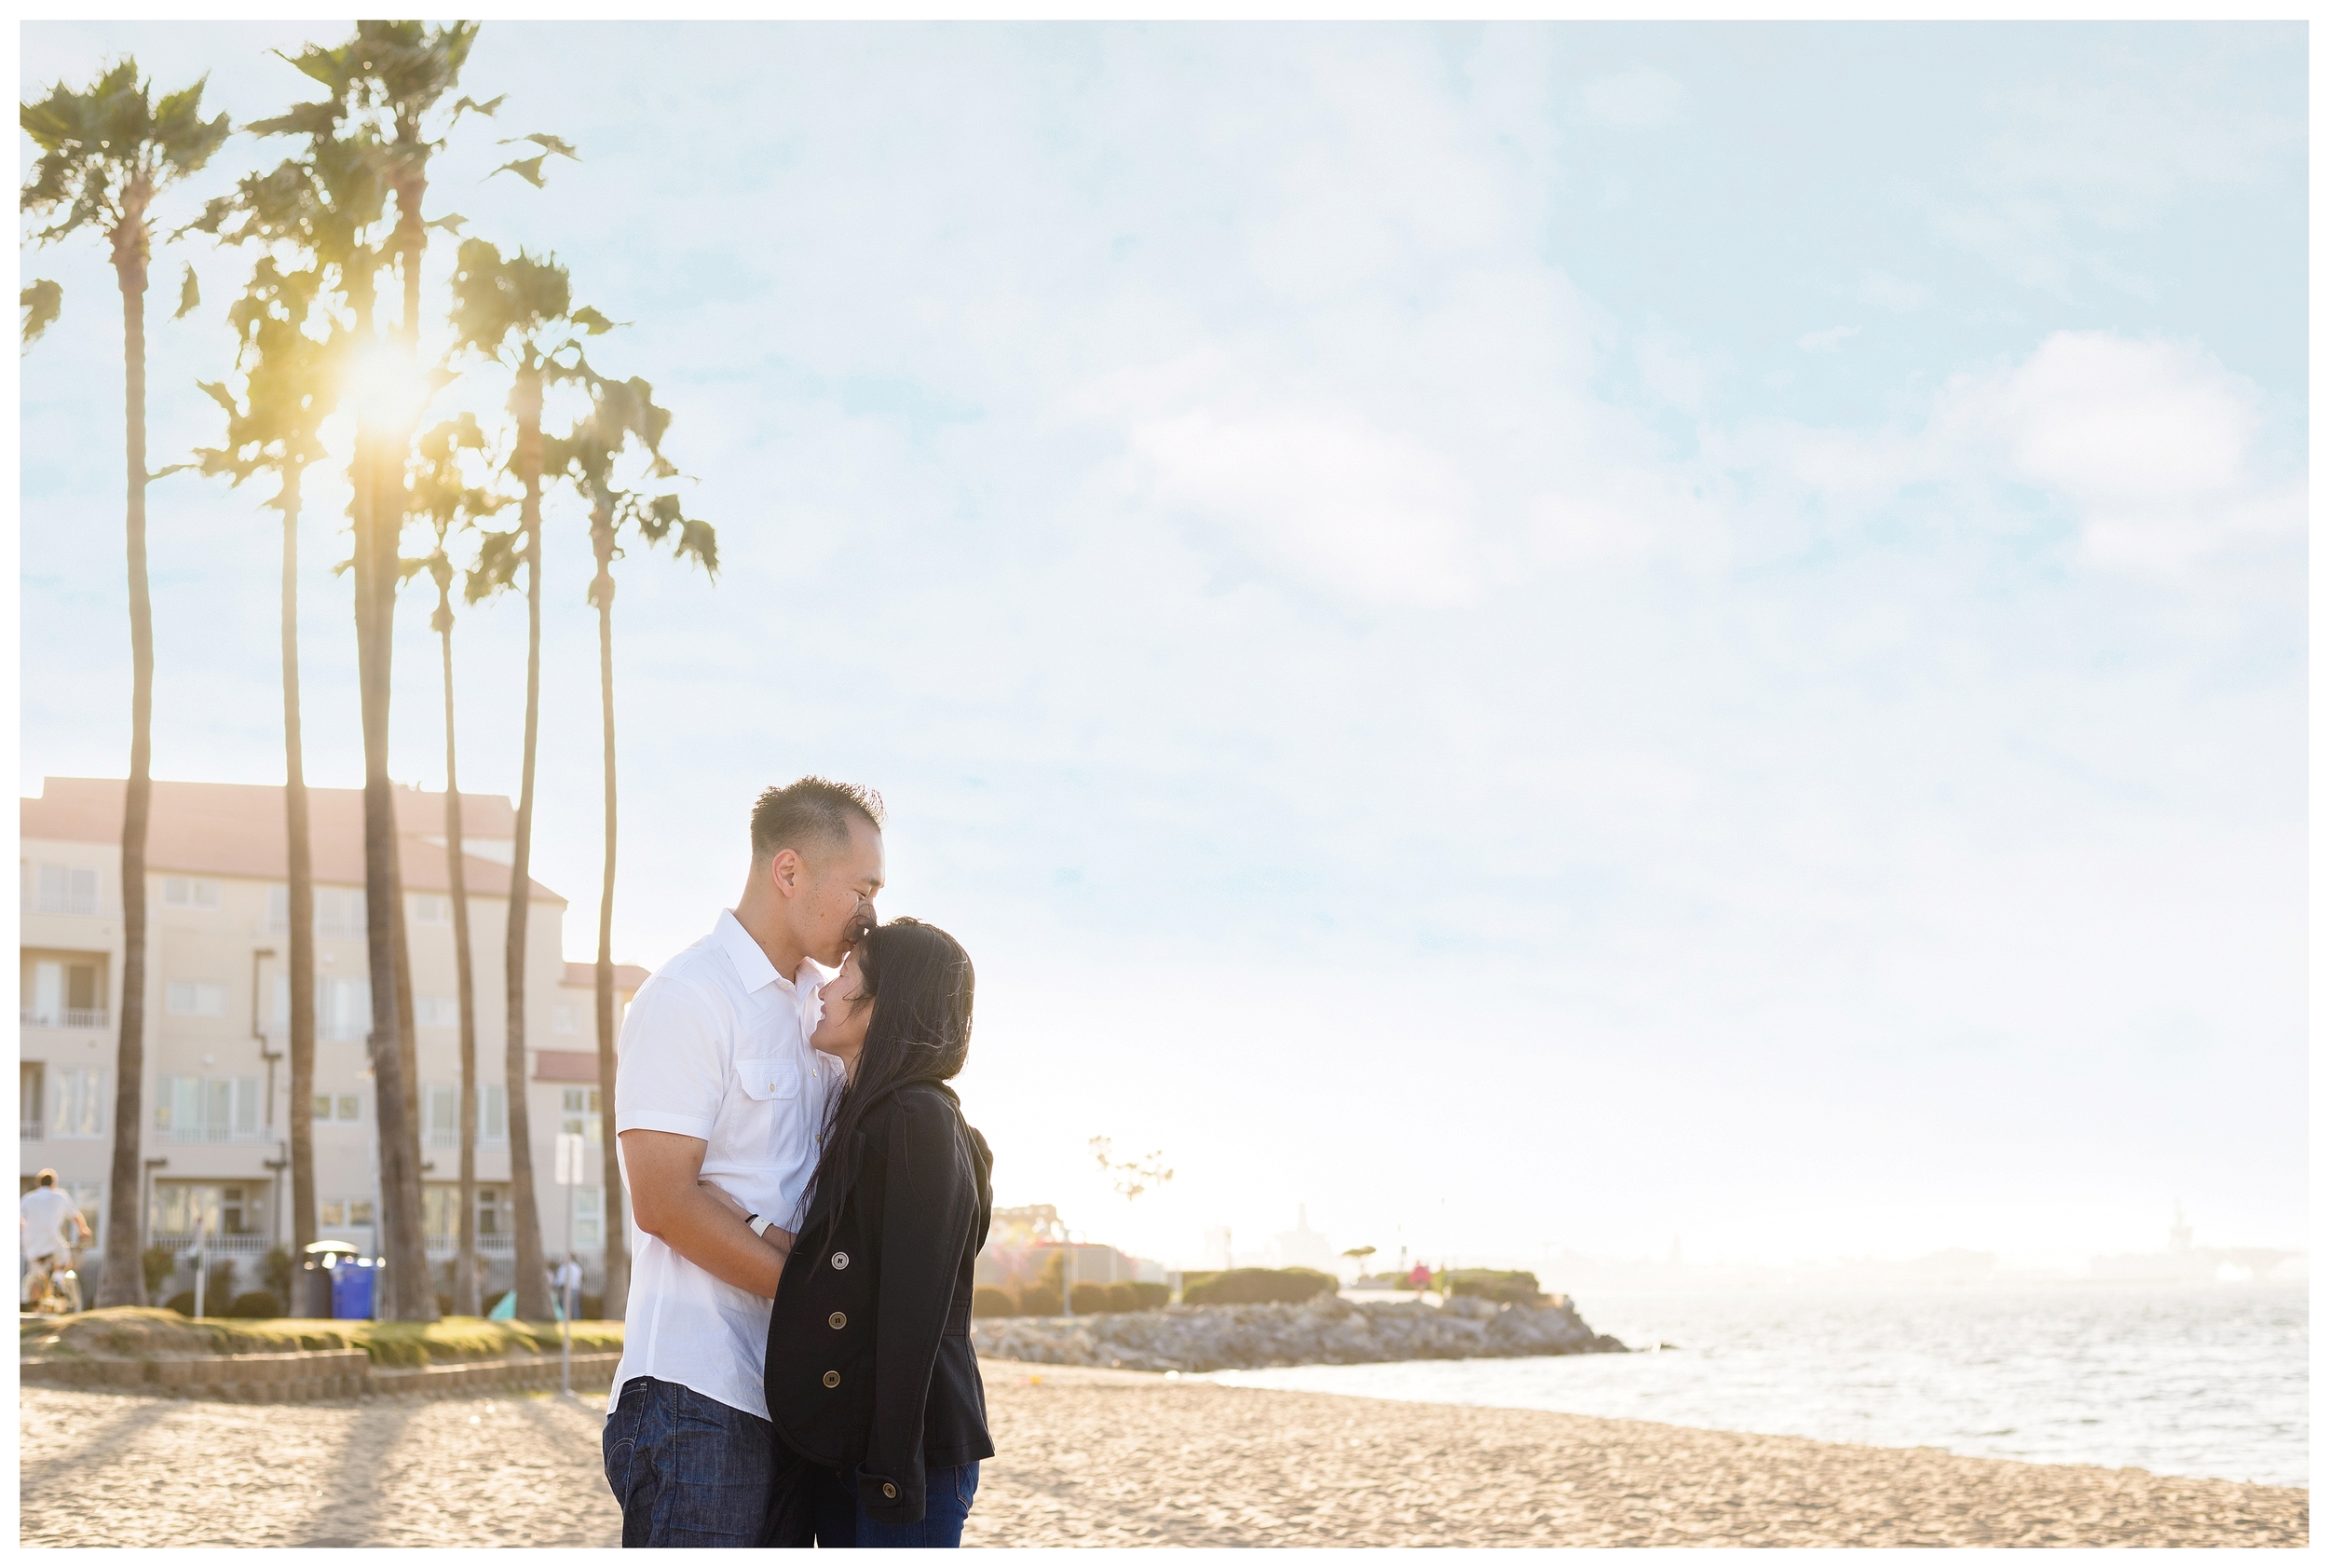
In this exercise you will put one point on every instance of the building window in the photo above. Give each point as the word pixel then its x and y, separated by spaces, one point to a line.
pixel 59 890
pixel 80 1102
pixel 432 908
pixel 189 892
pixel 339 1107
pixel 278 909
pixel 493 1213
pixel 207 1109
pixel 588 1230
pixel 343 1009
pixel 343 1213
pixel 439 1206
pixel 62 994
pixel 493 1116
pixel 31 1095
pixel 581 1107
pixel 565 1018
pixel 196 999
pixel 339 912
pixel 437 1012
pixel 440 1115
pixel 236 1209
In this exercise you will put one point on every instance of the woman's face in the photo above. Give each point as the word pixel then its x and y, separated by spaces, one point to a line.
pixel 841 1029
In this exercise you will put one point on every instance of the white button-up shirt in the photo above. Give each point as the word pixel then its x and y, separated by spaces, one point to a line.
pixel 716 1047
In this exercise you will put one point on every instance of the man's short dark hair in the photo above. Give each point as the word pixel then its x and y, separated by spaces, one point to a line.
pixel 45 1179
pixel 807 811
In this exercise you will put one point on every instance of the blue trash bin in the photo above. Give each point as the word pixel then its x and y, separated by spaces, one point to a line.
pixel 351 1288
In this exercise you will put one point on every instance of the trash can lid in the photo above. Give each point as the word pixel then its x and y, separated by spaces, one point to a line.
pixel 316 1249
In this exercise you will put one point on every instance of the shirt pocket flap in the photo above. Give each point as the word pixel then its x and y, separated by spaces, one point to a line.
pixel 773 1078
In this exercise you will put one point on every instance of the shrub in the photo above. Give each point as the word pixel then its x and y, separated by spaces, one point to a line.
pixel 275 1273
pixel 990 1301
pixel 159 1263
pixel 1090 1298
pixel 1039 1300
pixel 445 1304
pixel 1244 1287
pixel 256 1303
pixel 1148 1295
pixel 182 1303
pixel 1122 1297
pixel 591 1309
pixel 1517 1286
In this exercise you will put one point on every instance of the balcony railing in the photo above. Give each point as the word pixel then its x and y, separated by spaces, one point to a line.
pixel 29 1128
pixel 251 1246
pixel 487 1247
pixel 62 1017
pixel 214 1134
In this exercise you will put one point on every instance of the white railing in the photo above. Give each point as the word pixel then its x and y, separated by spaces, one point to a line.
pixel 63 1017
pixel 487 1247
pixel 214 1134
pixel 53 905
pixel 216 1245
pixel 30 1129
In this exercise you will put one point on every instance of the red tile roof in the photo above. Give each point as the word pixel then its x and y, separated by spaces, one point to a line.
pixel 236 830
pixel 629 977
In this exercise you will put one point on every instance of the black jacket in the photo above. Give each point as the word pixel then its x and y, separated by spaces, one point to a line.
pixel 869 1366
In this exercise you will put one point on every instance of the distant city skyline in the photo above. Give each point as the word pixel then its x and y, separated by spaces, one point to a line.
pixel 1532 636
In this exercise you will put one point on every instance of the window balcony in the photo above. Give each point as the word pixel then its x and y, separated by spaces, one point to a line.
pixel 487 1247
pixel 62 1017
pixel 250 1246
pixel 205 1134
pixel 30 1129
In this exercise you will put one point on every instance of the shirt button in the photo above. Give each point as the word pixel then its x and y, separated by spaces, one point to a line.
pixel 832 1380
pixel 889 1489
pixel 840 1259
pixel 839 1320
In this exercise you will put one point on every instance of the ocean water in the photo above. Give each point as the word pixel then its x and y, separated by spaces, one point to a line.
pixel 2178 1379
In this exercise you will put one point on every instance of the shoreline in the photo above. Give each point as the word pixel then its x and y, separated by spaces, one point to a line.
pixel 1110 1457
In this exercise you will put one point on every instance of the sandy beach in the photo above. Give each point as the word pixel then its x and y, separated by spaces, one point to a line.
pixel 1100 1458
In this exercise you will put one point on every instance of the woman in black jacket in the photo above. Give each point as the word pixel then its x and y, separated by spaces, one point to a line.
pixel 871 1381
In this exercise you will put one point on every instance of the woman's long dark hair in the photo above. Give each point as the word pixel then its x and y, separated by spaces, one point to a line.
pixel 919 982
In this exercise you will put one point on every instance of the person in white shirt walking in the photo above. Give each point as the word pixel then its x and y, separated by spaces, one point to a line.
pixel 41 1217
pixel 715 1085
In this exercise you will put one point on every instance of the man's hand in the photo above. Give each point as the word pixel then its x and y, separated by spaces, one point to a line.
pixel 672 1202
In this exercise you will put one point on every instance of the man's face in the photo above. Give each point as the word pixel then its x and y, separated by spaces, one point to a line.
pixel 836 901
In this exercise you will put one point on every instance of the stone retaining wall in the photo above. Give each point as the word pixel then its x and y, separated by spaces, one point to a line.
pixel 300 1375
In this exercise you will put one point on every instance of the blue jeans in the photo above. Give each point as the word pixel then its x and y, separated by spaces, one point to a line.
pixel 688 1470
pixel 840 1522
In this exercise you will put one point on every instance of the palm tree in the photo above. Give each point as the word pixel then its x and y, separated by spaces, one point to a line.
pixel 288 379
pixel 621 413
pixel 106 153
pixel 442 494
pixel 519 312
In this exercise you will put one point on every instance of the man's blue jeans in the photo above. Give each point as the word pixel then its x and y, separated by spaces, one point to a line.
pixel 688 1470
pixel 840 1522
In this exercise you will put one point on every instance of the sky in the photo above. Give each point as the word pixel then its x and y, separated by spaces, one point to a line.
pixel 1526 637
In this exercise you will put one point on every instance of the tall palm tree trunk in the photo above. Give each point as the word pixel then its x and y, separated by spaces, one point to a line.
pixel 123 1281
pixel 611 1205
pixel 532 1282
pixel 465 1287
pixel 410 1295
pixel 302 898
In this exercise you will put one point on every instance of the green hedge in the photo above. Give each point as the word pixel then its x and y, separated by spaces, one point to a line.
pixel 1516 1286
pixel 1246 1286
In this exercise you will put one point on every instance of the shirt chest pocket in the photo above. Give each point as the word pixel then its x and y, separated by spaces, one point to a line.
pixel 773 1079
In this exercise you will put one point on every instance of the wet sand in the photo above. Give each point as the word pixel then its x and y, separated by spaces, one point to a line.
pixel 1099 1458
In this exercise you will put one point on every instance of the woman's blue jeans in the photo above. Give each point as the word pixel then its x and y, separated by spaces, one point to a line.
pixel 840 1522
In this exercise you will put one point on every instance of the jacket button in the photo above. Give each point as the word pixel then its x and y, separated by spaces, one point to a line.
pixel 889 1489
pixel 832 1380
pixel 839 1320
pixel 840 1259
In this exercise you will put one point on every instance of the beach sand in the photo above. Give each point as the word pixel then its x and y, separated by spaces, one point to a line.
pixel 1099 1458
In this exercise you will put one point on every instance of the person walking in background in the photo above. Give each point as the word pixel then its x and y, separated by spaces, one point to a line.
pixel 718 1101
pixel 568 1282
pixel 48 1226
pixel 870 1377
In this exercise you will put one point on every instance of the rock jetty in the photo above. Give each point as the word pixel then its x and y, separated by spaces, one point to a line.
pixel 1326 1329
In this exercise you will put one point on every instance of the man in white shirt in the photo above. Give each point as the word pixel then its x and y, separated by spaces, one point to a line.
pixel 42 1216
pixel 716 1084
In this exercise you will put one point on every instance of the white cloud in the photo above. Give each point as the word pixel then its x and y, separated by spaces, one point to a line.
pixel 1825 341
pixel 1639 100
